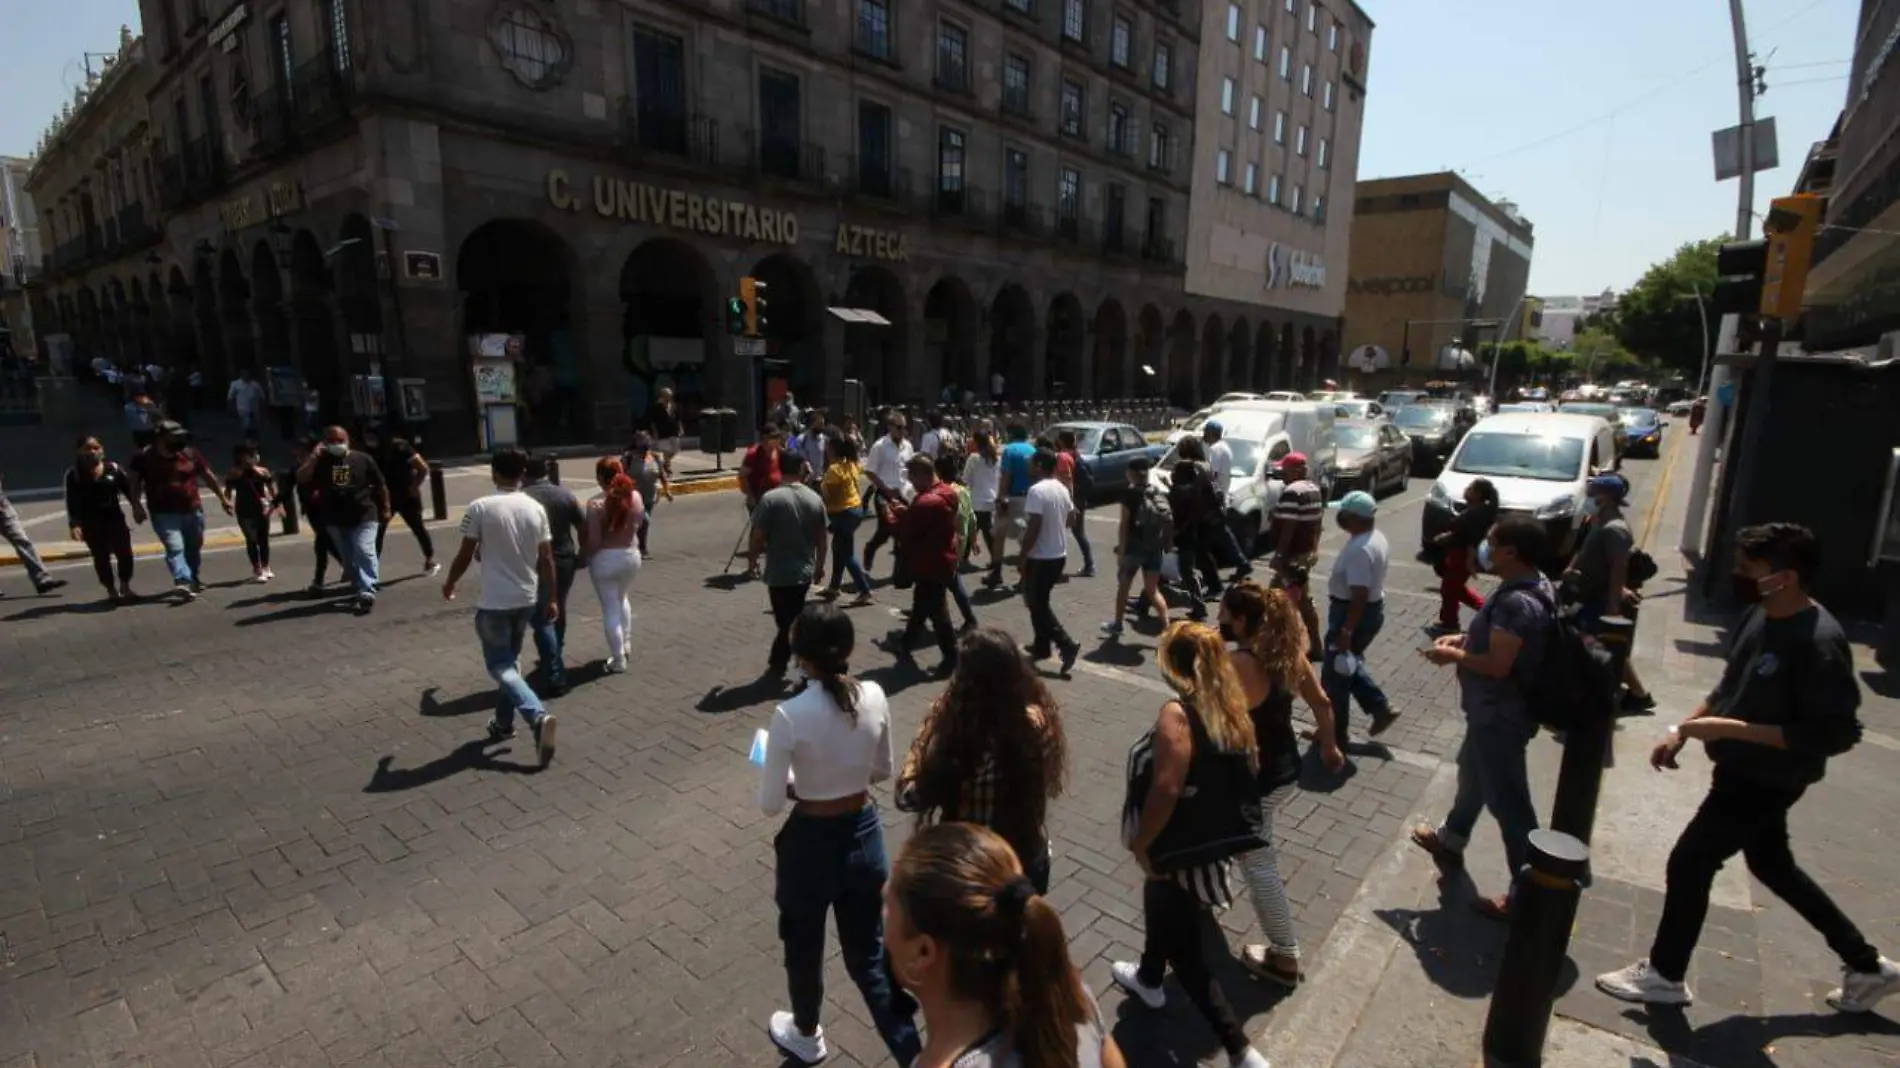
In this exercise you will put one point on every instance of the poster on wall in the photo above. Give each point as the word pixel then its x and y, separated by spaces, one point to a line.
pixel 500 426
pixel 494 382
pixel 495 346
pixel 366 396
pixel 415 399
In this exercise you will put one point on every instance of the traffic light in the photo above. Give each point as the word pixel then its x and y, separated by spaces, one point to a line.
pixel 1740 265
pixel 735 316
pixel 752 297
pixel 1793 222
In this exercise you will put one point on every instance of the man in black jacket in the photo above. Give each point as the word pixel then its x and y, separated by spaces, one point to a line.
pixel 1787 702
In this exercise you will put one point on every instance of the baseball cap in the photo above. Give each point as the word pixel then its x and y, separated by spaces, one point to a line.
pixel 1358 503
pixel 1213 425
pixel 1614 485
pixel 1293 459
pixel 168 427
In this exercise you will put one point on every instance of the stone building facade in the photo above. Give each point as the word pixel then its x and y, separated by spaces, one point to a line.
pixel 351 187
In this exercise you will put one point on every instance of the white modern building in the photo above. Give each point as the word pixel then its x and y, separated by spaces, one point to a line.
pixel 1562 317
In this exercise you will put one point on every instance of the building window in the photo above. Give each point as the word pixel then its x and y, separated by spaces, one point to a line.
pixel 1312 19
pixel 529 49
pixel 1233 22
pixel 1016 84
pixel 1253 113
pixel 1114 208
pixel 208 102
pixel 1292 7
pixel 874 28
pixel 659 93
pixel 1326 95
pixel 1224 167
pixel 1158 148
pixel 1286 63
pixel 780 150
pixel 1075 19
pixel 1157 224
pixel 1279 127
pixel 874 148
pixel 1121 42
pixel 1121 131
pixel 1068 200
pixel 339 34
pixel 1260 43
pixel 1298 197
pixel 1319 207
pixel 1332 37
pixel 950 169
pixel 1325 153
pixel 1299 140
pixel 1164 64
pixel 953 57
pixel 283 59
pixel 1250 182
pixel 1022 6
pixel 1273 189
pixel 1306 80
pixel 1015 177
pixel 1226 96
pixel 1073 107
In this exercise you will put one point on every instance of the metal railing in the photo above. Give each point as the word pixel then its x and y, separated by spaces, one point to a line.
pixel 953 73
pixel 671 132
pixel 878 178
pixel 791 159
pixel 792 11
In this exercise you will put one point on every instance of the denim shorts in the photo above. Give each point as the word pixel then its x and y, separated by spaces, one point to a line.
pixel 1132 564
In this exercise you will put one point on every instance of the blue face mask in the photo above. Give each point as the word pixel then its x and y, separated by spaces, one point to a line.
pixel 1484 556
pixel 1589 507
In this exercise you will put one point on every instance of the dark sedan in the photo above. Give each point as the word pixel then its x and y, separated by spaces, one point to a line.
pixel 1434 430
pixel 1642 432
pixel 1106 449
pixel 1374 455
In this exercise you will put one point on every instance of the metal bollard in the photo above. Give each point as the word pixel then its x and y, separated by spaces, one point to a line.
pixel 1543 909
pixel 438 493
pixel 287 493
pixel 1587 750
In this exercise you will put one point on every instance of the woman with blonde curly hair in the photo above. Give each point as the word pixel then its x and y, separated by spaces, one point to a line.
pixel 1192 806
pixel 1270 661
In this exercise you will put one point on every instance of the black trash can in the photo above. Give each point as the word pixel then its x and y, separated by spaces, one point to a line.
pixel 718 430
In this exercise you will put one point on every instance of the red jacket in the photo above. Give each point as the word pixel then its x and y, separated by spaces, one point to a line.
pixel 927 535
pixel 760 470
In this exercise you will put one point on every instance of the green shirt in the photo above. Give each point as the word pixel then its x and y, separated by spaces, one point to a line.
pixel 792 518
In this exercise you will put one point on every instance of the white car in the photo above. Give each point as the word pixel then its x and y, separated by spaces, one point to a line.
pixel 1229 398
pixel 1285 396
pixel 1681 407
pixel 1261 433
pixel 1539 462
pixel 1526 408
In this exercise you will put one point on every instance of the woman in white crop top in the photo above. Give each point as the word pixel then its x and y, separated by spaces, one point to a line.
pixel 825 748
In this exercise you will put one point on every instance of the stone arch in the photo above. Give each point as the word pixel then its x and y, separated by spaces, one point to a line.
pixel 1309 359
pixel 267 307
pixel 1181 360
pixel 795 326
pixel 1266 351
pixel 874 355
pixel 1329 355
pixel 1012 331
pixel 319 358
pixel 519 278
pixel 234 311
pixel 352 263
pixel 950 318
pixel 1213 351
pixel 1239 356
pixel 1065 365
pixel 670 325
pixel 138 314
pixel 209 325
pixel 1110 378
pixel 184 330
pixel 1289 377
pixel 1151 353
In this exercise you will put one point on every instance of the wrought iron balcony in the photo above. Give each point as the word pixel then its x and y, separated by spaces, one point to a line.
pixel 669 132
pixel 135 231
pixel 1068 227
pixel 878 178
pixel 792 11
pixel 953 74
pixel 791 159
pixel 1158 248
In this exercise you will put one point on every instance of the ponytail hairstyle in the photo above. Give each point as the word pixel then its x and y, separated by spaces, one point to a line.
pixel 986 446
pixel 1274 632
pixel 607 468
pixel 1194 662
pixel 619 503
pixel 823 637
pixel 962 886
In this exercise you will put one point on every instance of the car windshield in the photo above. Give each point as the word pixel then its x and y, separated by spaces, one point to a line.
pixel 1086 437
pixel 1520 456
pixel 1246 455
pixel 1357 437
pixel 1354 409
pixel 1640 417
pixel 1607 411
pixel 1393 399
pixel 1422 416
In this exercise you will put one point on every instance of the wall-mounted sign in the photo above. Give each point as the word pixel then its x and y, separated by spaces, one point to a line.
pixel 876 244
pixel 273 201
pixel 1288 267
pixel 1387 287
pixel 422 266
pixel 224 31
pixel 676 209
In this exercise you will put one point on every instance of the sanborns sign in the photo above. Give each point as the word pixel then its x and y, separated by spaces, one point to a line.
pixel 1288 267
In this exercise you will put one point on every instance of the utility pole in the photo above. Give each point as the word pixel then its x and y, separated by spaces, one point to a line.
pixel 1716 421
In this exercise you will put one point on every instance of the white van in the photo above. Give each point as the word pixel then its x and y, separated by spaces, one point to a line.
pixel 1261 434
pixel 1539 462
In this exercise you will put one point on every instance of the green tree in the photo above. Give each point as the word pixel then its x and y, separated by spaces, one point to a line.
pixel 1657 319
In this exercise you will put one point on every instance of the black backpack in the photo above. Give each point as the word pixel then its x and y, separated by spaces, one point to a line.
pixel 1640 569
pixel 1575 686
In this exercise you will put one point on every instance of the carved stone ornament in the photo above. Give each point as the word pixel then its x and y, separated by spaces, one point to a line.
pixel 531 42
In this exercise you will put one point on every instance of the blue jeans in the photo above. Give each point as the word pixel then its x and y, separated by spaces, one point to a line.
pixel 356 548
pixel 1342 689
pixel 844 550
pixel 836 865
pixel 183 535
pixel 1492 776
pixel 501 632
pixel 551 638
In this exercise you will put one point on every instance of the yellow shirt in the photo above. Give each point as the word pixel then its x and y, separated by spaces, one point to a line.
pixel 840 487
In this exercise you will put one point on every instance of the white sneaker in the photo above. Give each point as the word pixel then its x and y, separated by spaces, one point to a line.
pixel 806 1049
pixel 1641 983
pixel 1127 975
pixel 432 570
pixel 1253 1058
pixel 1861 991
pixel 616 665
pixel 269 574
pixel 261 577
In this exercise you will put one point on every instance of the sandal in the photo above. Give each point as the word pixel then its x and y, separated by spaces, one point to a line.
pixel 1426 838
pixel 1263 963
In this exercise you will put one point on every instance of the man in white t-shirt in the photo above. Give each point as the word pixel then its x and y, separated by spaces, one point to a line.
pixel 931 444
pixel 884 464
pixel 1047 510
pixel 511 531
pixel 247 400
pixel 1220 465
pixel 1355 613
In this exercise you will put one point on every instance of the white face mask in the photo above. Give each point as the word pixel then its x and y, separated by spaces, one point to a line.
pixel 336 450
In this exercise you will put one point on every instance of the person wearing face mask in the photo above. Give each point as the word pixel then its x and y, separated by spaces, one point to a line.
pixel 986 957
pixel 168 473
pixel 1460 544
pixel 353 500
pixel 1598 578
pixel 94 486
pixel 1787 701
pixel 1354 616
pixel 1496 661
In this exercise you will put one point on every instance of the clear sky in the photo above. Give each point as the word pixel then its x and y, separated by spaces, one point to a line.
pixel 1595 117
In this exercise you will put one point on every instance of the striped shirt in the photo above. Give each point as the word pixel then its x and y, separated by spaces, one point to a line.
pixel 1211 883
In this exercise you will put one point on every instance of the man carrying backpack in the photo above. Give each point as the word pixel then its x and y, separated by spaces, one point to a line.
pixel 1497 659
pixel 1146 529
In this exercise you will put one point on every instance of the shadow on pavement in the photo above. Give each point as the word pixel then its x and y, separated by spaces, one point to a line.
pixel 64 608
pixel 1457 949
pixel 721 699
pixel 429 705
pixel 469 756
pixel 727 582
pixel 1748 1041
pixel 331 603
pixel 1176 1034
pixel 1114 653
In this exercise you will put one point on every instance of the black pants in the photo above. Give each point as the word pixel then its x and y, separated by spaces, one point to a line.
pixel 256 530
pixel 1040 577
pixel 1748 818
pixel 411 513
pixel 109 541
pixel 1196 547
pixel 1079 526
pixel 1178 932
pixel 787 603
pixel 326 552
pixel 930 602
